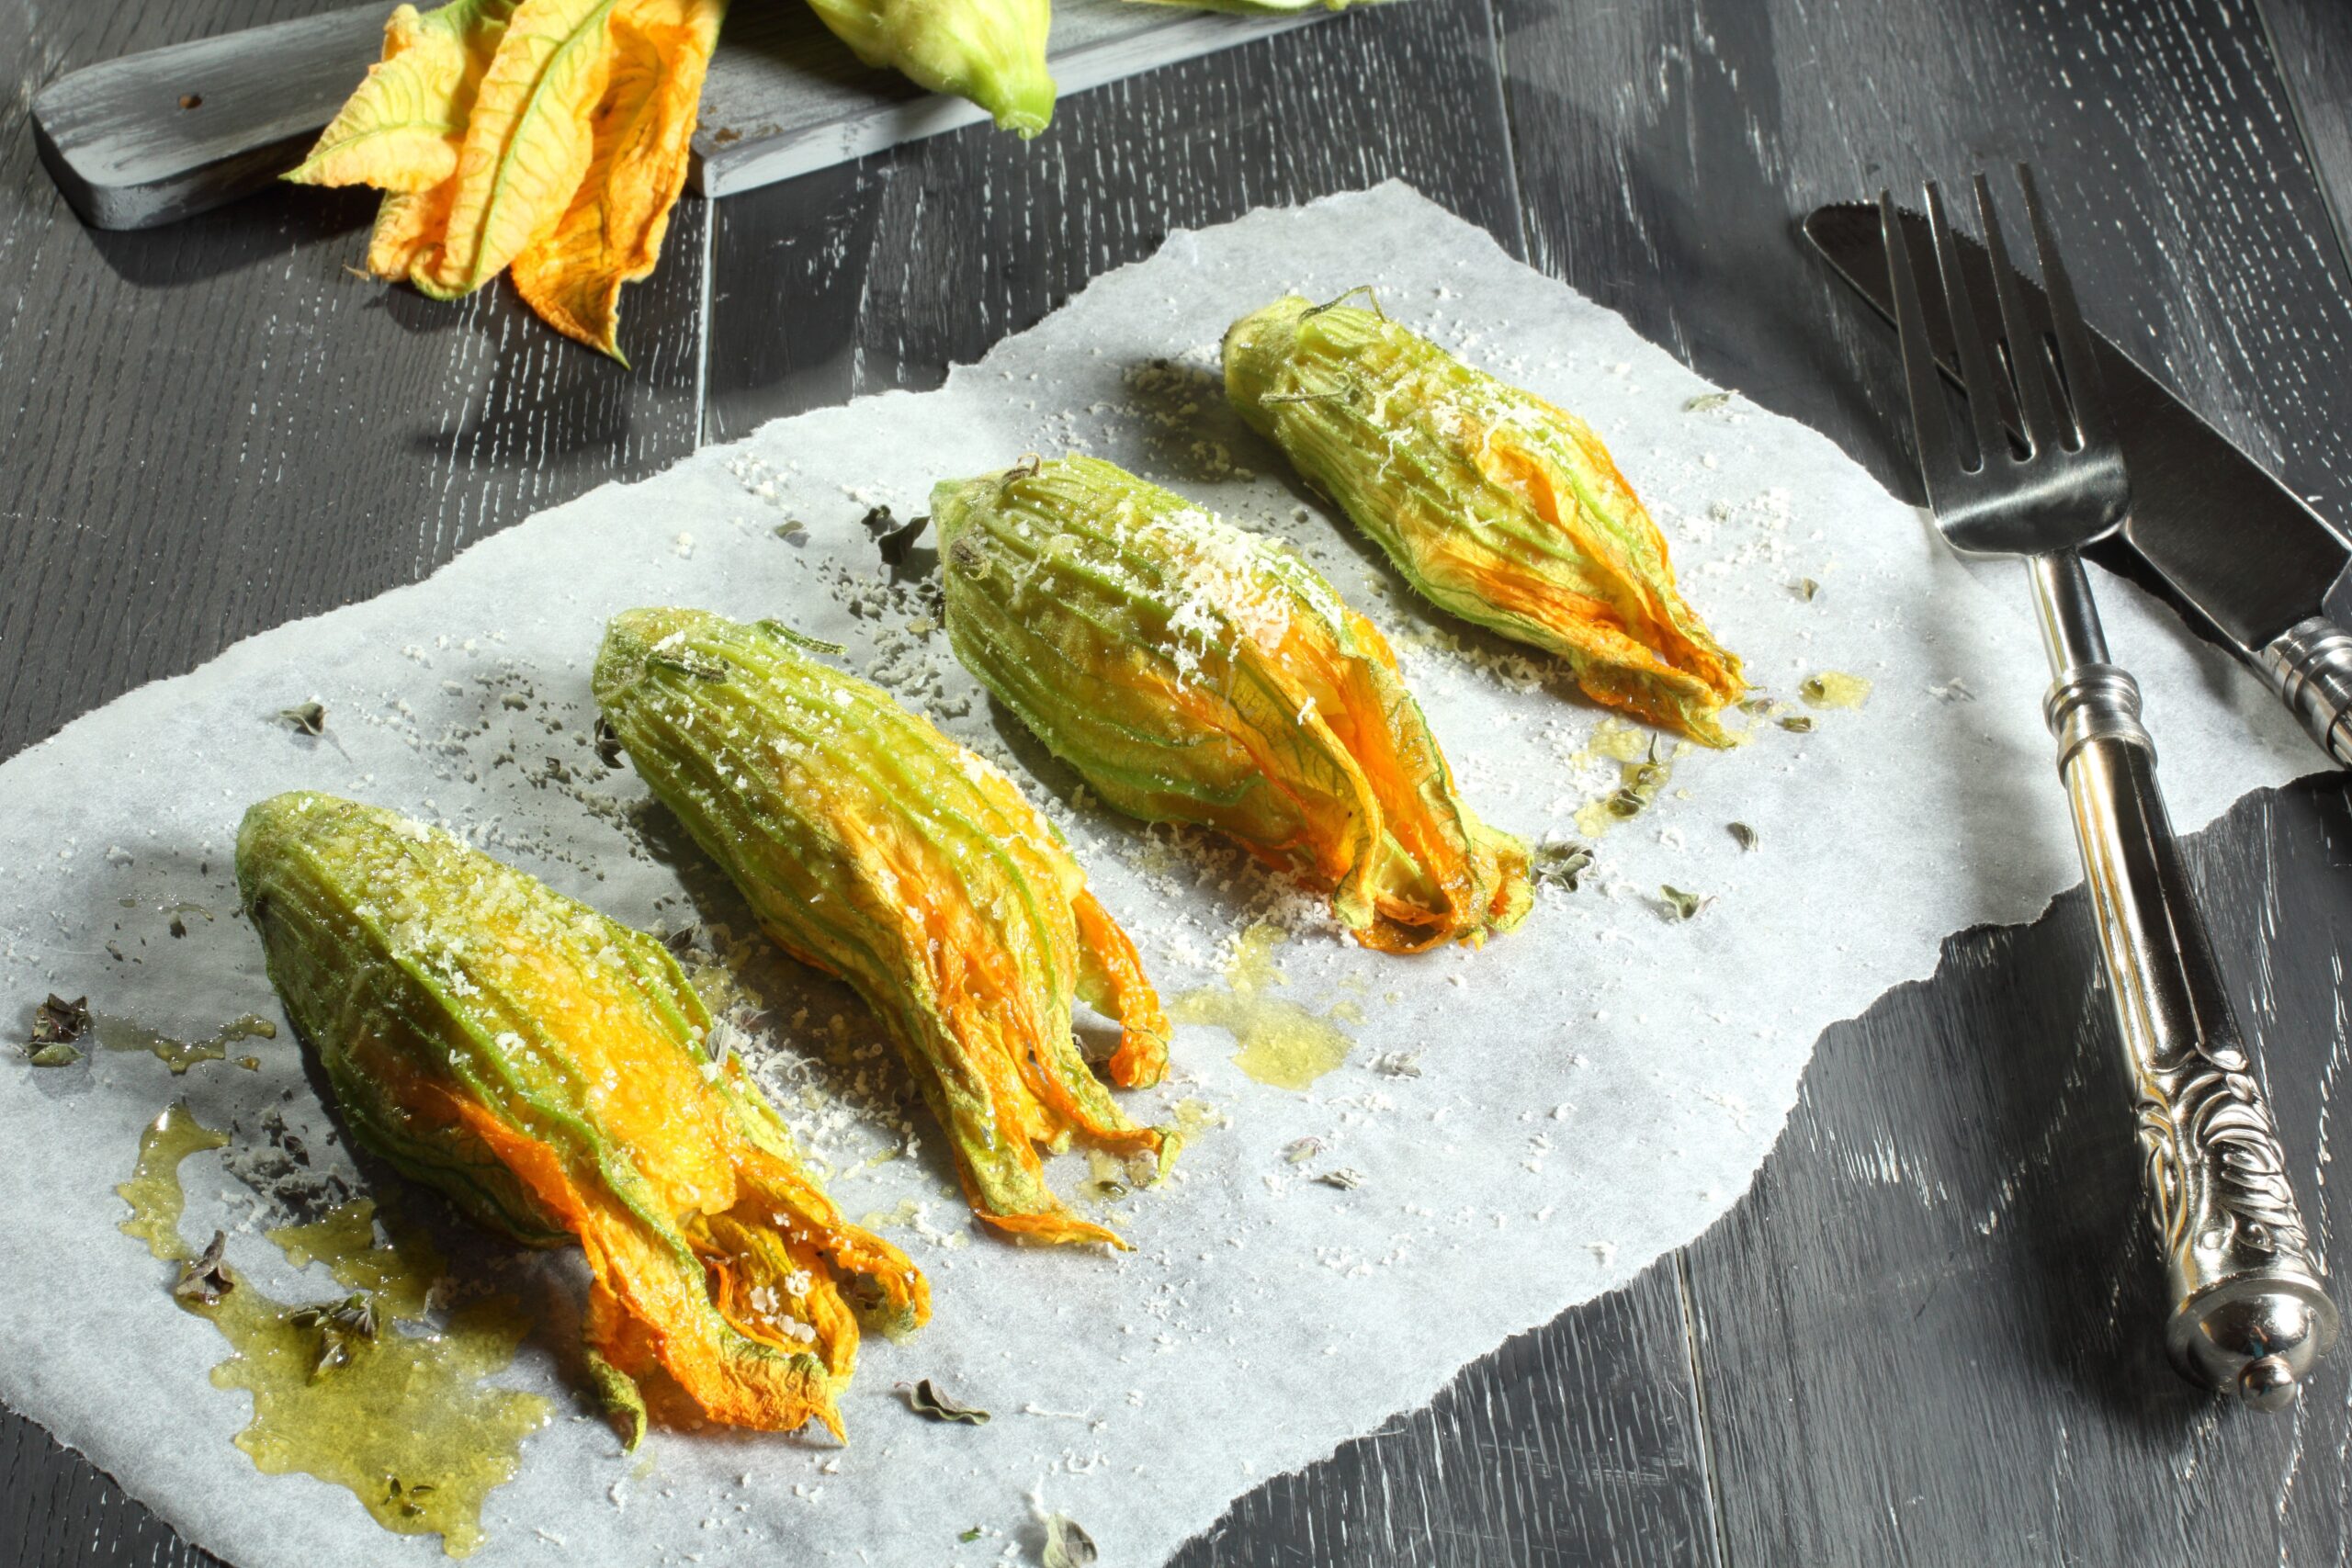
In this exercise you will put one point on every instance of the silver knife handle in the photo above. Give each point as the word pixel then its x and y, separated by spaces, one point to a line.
pixel 2310 665
pixel 2251 1315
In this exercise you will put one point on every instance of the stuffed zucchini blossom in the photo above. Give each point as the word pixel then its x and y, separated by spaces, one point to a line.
pixel 549 1070
pixel 1497 506
pixel 1196 672
pixel 875 847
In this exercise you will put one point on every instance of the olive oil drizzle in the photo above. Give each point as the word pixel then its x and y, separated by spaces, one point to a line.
pixel 1282 1043
pixel 400 1417
pixel 121 1035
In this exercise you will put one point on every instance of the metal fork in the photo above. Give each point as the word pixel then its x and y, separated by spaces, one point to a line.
pixel 2250 1315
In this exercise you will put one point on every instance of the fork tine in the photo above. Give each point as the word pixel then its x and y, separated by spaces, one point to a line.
pixel 2076 365
pixel 1931 418
pixel 2036 413
pixel 1975 365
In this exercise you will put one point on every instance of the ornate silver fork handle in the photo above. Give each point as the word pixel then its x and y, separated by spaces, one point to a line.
pixel 2249 1313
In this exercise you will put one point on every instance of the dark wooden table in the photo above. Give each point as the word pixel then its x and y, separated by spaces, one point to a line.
pixel 1929 1334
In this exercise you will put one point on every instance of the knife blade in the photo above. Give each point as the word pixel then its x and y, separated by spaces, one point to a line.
pixel 2251 557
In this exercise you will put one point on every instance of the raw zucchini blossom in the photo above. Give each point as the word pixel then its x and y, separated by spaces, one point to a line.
pixel 991 52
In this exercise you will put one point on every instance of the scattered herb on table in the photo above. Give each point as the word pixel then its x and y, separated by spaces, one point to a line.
pixel 608 745
pixel 304 718
pixel 897 543
pixel 345 1324
pixel 1682 906
pixel 1066 1544
pixel 56 1025
pixel 1744 834
pixel 924 1399
pixel 206 1279
pixel 1559 863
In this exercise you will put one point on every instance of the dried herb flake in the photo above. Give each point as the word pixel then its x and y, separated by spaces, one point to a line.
pixel 207 1280
pixel 1347 1179
pixel 1680 905
pixel 349 1322
pixel 608 744
pixel 1742 834
pixel 309 719
pixel 1560 863
pixel 895 544
pixel 924 1399
pixel 1705 402
pixel 1066 1544
pixel 689 664
pixel 776 628
pixel 57 1024
pixel 1796 723
pixel 1804 587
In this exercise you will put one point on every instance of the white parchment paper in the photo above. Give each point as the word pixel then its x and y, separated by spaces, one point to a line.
pixel 1591 1091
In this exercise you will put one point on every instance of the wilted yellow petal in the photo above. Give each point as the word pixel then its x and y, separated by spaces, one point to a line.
pixel 407 225
pixel 528 142
pixel 401 130
pixel 611 232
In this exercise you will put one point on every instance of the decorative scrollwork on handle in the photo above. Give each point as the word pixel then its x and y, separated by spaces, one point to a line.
pixel 2216 1170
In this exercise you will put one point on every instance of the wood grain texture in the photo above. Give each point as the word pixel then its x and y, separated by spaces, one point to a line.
pixel 1931 1333
pixel 1665 148
pixel 1928 1335
pixel 211 428
pixel 2312 42
pixel 1577 1445
pixel 884 273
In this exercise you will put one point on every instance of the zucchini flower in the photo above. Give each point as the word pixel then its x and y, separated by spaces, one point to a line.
pixel 1497 506
pixel 1194 672
pixel 991 52
pixel 877 849
pixel 548 1069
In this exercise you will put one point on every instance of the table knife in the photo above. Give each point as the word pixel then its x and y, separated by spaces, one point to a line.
pixel 2265 570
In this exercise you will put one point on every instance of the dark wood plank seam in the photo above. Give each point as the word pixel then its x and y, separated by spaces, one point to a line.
pixel 1718 1537
pixel 2294 96
pixel 1511 133
pixel 707 308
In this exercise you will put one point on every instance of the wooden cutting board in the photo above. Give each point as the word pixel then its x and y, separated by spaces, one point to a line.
pixel 152 138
